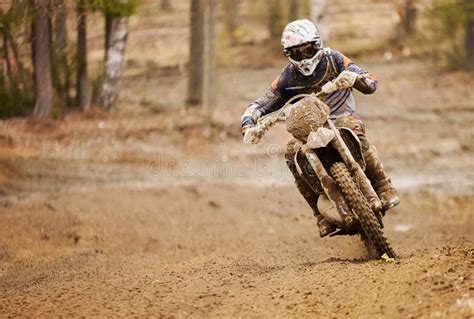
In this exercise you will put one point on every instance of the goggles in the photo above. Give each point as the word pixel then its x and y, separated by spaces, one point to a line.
pixel 302 52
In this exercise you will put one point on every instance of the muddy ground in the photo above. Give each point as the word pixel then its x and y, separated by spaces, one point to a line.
pixel 161 212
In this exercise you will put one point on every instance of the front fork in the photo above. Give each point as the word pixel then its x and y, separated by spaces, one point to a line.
pixel 329 186
pixel 361 179
pixel 345 218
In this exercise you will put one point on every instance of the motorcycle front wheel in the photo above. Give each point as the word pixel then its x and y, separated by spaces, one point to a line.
pixel 372 230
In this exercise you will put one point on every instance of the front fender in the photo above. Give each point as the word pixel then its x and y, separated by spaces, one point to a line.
pixel 320 138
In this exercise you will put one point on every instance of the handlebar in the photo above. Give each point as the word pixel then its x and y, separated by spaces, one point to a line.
pixel 266 122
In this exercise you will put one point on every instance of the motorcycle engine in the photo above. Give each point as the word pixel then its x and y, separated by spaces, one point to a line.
pixel 305 116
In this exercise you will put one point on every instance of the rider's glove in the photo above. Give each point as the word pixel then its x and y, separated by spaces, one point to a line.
pixel 345 80
pixel 252 134
pixel 329 87
pixel 250 117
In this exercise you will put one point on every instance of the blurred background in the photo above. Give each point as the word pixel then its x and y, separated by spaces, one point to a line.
pixel 125 188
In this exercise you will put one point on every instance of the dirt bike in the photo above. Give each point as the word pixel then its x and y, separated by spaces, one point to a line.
pixel 336 170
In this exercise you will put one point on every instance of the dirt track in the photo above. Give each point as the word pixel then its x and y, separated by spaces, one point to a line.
pixel 202 252
pixel 113 227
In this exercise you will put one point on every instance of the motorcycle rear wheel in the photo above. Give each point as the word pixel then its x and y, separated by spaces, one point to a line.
pixel 358 203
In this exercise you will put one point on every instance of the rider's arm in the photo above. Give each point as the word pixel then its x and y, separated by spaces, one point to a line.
pixel 267 103
pixel 365 82
pixel 271 101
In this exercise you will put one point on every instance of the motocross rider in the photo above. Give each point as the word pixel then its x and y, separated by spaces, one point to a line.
pixel 312 69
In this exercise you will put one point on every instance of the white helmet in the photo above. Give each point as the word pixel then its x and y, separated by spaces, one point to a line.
pixel 302 44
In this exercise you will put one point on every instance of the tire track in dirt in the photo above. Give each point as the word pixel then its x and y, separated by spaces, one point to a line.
pixel 205 252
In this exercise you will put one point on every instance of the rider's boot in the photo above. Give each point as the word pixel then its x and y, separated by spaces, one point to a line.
pixel 380 180
pixel 311 197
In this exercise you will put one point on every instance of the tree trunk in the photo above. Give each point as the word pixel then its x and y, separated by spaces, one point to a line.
pixel 469 35
pixel 82 84
pixel 293 8
pixel 407 13
pixel 318 16
pixel 211 92
pixel 19 65
pixel 6 60
pixel 196 56
pixel 275 26
pixel 60 57
pixel 108 30
pixel 231 23
pixel 165 5
pixel 113 64
pixel 33 50
pixel 3 73
pixel 410 17
pixel 42 65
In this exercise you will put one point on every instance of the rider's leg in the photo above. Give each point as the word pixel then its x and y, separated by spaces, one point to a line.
pixel 309 192
pixel 375 171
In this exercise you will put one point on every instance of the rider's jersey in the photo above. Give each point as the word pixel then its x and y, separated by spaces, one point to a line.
pixel 291 82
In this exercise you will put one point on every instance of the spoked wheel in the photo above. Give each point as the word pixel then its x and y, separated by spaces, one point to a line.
pixel 372 230
pixel 371 251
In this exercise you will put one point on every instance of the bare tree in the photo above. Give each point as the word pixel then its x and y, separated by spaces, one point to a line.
pixel 469 34
pixel 3 73
pixel 231 23
pixel 42 53
pixel 196 55
pixel 211 72
pixel 82 84
pixel 318 16
pixel 117 13
pixel 275 18
pixel 6 63
pixel 407 12
pixel 108 31
pixel 113 63
pixel 16 87
pixel 411 13
pixel 165 5
pixel 16 12
pixel 61 72
pixel 293 9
